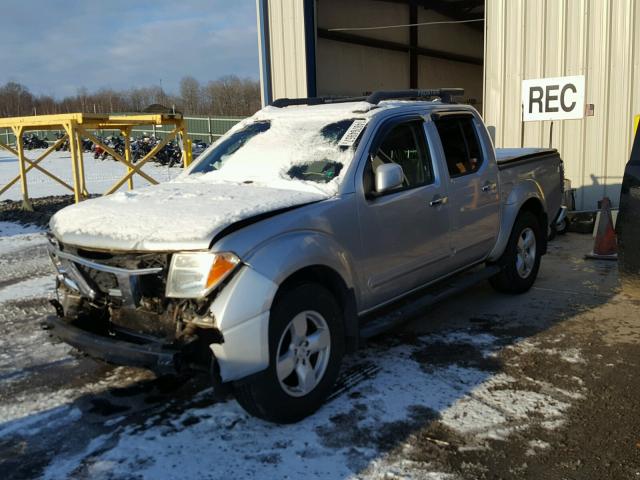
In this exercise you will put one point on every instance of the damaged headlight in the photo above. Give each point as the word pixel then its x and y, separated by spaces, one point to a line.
pixel 195 274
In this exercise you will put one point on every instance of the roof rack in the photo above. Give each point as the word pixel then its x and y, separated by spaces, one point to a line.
pixel 444 94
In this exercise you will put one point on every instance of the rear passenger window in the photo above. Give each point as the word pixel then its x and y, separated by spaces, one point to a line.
pixel 460 143
pixel 405 145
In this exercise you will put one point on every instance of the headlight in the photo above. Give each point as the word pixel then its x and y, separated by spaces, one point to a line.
pixel 195 274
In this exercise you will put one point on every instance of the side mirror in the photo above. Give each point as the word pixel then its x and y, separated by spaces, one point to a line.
pixel 388 177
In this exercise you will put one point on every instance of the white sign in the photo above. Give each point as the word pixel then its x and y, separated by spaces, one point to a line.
pixel 352 133
pixel 559 98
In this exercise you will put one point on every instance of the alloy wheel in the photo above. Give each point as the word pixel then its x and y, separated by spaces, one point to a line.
pixel 303 353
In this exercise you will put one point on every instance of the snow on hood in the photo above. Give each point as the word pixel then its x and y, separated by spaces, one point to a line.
pixel 184 214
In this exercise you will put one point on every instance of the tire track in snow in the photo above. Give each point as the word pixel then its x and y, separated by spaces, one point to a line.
pixel 24 264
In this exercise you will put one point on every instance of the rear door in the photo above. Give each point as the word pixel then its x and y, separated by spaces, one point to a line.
pixel 405 231
pixel 474 201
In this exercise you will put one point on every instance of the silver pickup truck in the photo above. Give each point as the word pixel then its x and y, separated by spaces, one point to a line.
pixel 273 255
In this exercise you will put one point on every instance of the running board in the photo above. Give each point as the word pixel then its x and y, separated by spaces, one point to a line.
pixel 407 310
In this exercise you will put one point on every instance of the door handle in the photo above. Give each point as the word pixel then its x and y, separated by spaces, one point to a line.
pixel 438 200
pixel 488 187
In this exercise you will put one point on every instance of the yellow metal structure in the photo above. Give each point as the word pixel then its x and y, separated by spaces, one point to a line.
pixel 77 126
pixel 636 120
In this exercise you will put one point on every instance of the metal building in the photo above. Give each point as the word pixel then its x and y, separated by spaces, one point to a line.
pixel 326 47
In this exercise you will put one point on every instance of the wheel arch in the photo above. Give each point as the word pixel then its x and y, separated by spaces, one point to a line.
pixel 332 280
pixel 531 203
pixel 534 205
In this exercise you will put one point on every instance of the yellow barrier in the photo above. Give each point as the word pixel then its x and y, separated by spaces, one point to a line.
pixel 77 126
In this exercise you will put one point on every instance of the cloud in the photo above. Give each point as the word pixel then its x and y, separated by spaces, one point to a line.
pixel 57 47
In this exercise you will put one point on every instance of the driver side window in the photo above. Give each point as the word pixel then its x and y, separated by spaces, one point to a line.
pixel 406 146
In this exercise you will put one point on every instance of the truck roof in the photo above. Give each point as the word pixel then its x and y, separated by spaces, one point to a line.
pixel 444 94
pixel 363 106
pixel 345 110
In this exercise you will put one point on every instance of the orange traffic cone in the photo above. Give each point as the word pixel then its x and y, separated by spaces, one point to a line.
pixel 606 245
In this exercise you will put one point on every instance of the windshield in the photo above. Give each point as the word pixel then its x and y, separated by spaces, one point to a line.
pixel 296 149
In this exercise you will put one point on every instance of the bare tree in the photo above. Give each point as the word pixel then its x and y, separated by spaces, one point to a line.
pixel 15 100
pixel 232 96
pixel 229 96
pixel 190 95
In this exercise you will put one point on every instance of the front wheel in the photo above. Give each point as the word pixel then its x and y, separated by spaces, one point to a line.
pixel 520 261
pixel 306 345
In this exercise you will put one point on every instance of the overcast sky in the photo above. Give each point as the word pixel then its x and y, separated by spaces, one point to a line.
pixel 55 47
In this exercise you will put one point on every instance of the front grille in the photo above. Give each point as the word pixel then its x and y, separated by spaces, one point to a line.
pixel 104 281
pixel 150 286
pixel 123 260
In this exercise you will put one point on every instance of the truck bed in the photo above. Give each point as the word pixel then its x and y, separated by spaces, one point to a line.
pixel 540 165
pixel 505 156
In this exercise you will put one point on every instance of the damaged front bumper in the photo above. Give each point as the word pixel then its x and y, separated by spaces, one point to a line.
pixel 112 306
pixel 142 352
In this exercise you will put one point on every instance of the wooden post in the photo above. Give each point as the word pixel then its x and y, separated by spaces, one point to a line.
pixel 80 159
pixel 127 152
pixel 26 203
pixel 75 168
pixel 185 145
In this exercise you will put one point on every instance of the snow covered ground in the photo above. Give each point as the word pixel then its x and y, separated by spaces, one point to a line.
pixel 70 416
pixel 99 174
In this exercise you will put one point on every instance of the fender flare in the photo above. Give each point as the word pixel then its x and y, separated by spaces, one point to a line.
pixel 526 191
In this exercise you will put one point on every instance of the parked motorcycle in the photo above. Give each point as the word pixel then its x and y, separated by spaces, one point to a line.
pixel 31 142
pixel 170 155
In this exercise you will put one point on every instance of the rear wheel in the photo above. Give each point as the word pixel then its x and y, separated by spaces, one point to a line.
pixel 306 345
pixel 561 228
pixel 520 261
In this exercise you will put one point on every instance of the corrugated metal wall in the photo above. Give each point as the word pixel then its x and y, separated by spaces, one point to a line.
pixel 287 45
pixel 550 38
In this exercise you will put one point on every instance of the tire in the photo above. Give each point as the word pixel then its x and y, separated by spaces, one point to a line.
pixel 284 398
pixel 558 229
pixel 562 228
pixel 520 261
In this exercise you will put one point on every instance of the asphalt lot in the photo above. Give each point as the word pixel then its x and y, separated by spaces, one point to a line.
pixel 542 385
pixel 575 332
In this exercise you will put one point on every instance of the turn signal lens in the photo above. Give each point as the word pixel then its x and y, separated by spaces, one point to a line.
pixel 223 264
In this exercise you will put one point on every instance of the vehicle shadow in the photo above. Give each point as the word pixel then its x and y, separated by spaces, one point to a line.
pixel 447 381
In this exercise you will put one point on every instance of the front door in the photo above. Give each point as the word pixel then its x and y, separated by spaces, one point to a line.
pixel 404 231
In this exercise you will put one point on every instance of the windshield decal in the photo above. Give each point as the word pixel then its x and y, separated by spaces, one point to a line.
pixel 352 134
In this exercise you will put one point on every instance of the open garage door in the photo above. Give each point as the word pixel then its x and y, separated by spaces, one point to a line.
pixel 353 47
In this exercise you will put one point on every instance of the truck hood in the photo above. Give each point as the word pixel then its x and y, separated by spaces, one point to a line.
pixel 178 215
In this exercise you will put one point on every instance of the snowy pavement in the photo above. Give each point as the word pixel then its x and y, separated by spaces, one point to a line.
pixel 406 406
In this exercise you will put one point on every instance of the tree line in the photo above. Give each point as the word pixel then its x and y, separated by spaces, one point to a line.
pixel 226 96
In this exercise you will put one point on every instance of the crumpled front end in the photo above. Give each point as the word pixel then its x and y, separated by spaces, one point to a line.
pixel 113 306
